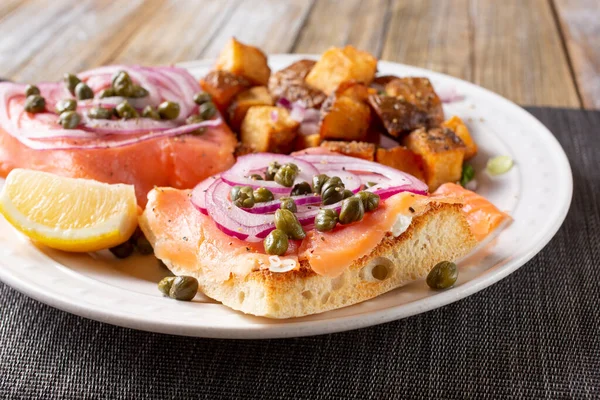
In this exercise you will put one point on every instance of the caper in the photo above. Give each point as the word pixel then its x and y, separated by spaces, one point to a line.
pixel 150 112
pixel 318 182
pixel 326 220
pixel 122 84
pixel 244 199
pixel 126 110
pixel 137 92
pixel 207 110
pixel 194 119
pixel 100 113
pixel 69 119
pixel 168 110
pixel 276 243
pixel 165 285
pixel 287 203
pixel 347 193
pixel 201 98
pixel 443 275
pixel 256 177
pixel 183 288
pixel 370 200
pixel 286 175
pixel 262 195
pixel 301 188
pixel 352 210
pixel 71 81
pixel 143 245
pixel 83 91
pixel 236 190
pixel 286 221
pixel 66 105
pixel 122 250
pixel 332 191
pixel 370 184
pixel 272 170
pixel 293 166
pixel 31 89
pixel 110 92
pixel 35 103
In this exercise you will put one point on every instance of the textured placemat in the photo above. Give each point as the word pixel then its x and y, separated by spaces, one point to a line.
pixel 534 334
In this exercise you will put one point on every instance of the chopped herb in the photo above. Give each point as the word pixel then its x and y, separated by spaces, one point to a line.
pixel 468 173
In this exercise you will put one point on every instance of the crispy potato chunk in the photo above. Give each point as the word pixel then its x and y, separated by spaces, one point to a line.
pixel 223 86
pixel 305 141
pixel 363 150
pixel 399 117
pixel 269 129
pixel 418 91
pixel 344 118
pixel 338 65
pixel 289 83
pixel 256 96
pixel 401 158
pixel 243 60
pixel 461 130
pixel 443 154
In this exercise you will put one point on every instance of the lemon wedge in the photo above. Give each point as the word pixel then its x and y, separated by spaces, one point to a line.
pixel 68 214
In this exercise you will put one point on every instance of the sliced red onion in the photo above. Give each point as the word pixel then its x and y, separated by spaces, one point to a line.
pixel 448 94
pixel 240 172
pixel 387 142
pixel 283 102
pixel 274 116
pixel 298 111
pixel 351 181
pixel 126 127
pixel 272 206
pixel 199 193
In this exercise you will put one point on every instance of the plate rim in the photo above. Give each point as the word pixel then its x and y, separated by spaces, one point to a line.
pixel 292 328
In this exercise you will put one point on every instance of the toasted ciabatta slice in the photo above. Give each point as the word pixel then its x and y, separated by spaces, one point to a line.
pixel 238 275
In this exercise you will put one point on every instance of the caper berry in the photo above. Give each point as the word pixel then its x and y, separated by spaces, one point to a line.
pixel 318 182
pixel 256 177
pixel 31 89
pixel 276 243
pixel 137 92
pixel 35 103
pixel 352 210
pixel 168 110
pixel 83 91
pixel 332 191
pixel 183 288
pixel 244 199
pixel 194 119
pixel 370 200
pixel 110 92
pixel 122 250
pixel 326 220
pixel 301 188
pixel 370 184
pixel 71 81
pixel 126 110
pixel 100 113
pixel 122 84
pixel 150 112
pixel 207 110
pixel 288 203
pixel 262 195
pixel 66 105
pixel 69 119
pixel 443 275
pixel 286 175
pixel 272 170
pixel 201 98
pixel 347 193
pixel 165 285
pixel 286 221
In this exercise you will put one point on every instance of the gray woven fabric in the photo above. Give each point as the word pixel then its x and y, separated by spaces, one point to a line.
pixel 534 334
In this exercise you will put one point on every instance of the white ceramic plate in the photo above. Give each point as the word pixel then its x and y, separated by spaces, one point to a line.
pixel 536 192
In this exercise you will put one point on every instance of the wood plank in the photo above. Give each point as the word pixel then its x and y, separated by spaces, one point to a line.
pixel 196 24
pixel 271 25
pixel 433 34
pixel 89 34
pixel 580 22
pixel 518 53
pixel 343 22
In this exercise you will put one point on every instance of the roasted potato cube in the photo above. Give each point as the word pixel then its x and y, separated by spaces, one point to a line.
pixel 419 92
pixel 256 96
pixel 289 83
pixel 344 118
pixel 338 65
pixel 363 150
pixel 461 130
pixel 243 60
pixel 399 117
pixel 306 141
pixel 269 129
pixel 443 154
pixel 401 158
pixel 223 86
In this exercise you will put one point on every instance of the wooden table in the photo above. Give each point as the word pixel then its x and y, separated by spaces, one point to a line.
pixel 535 52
